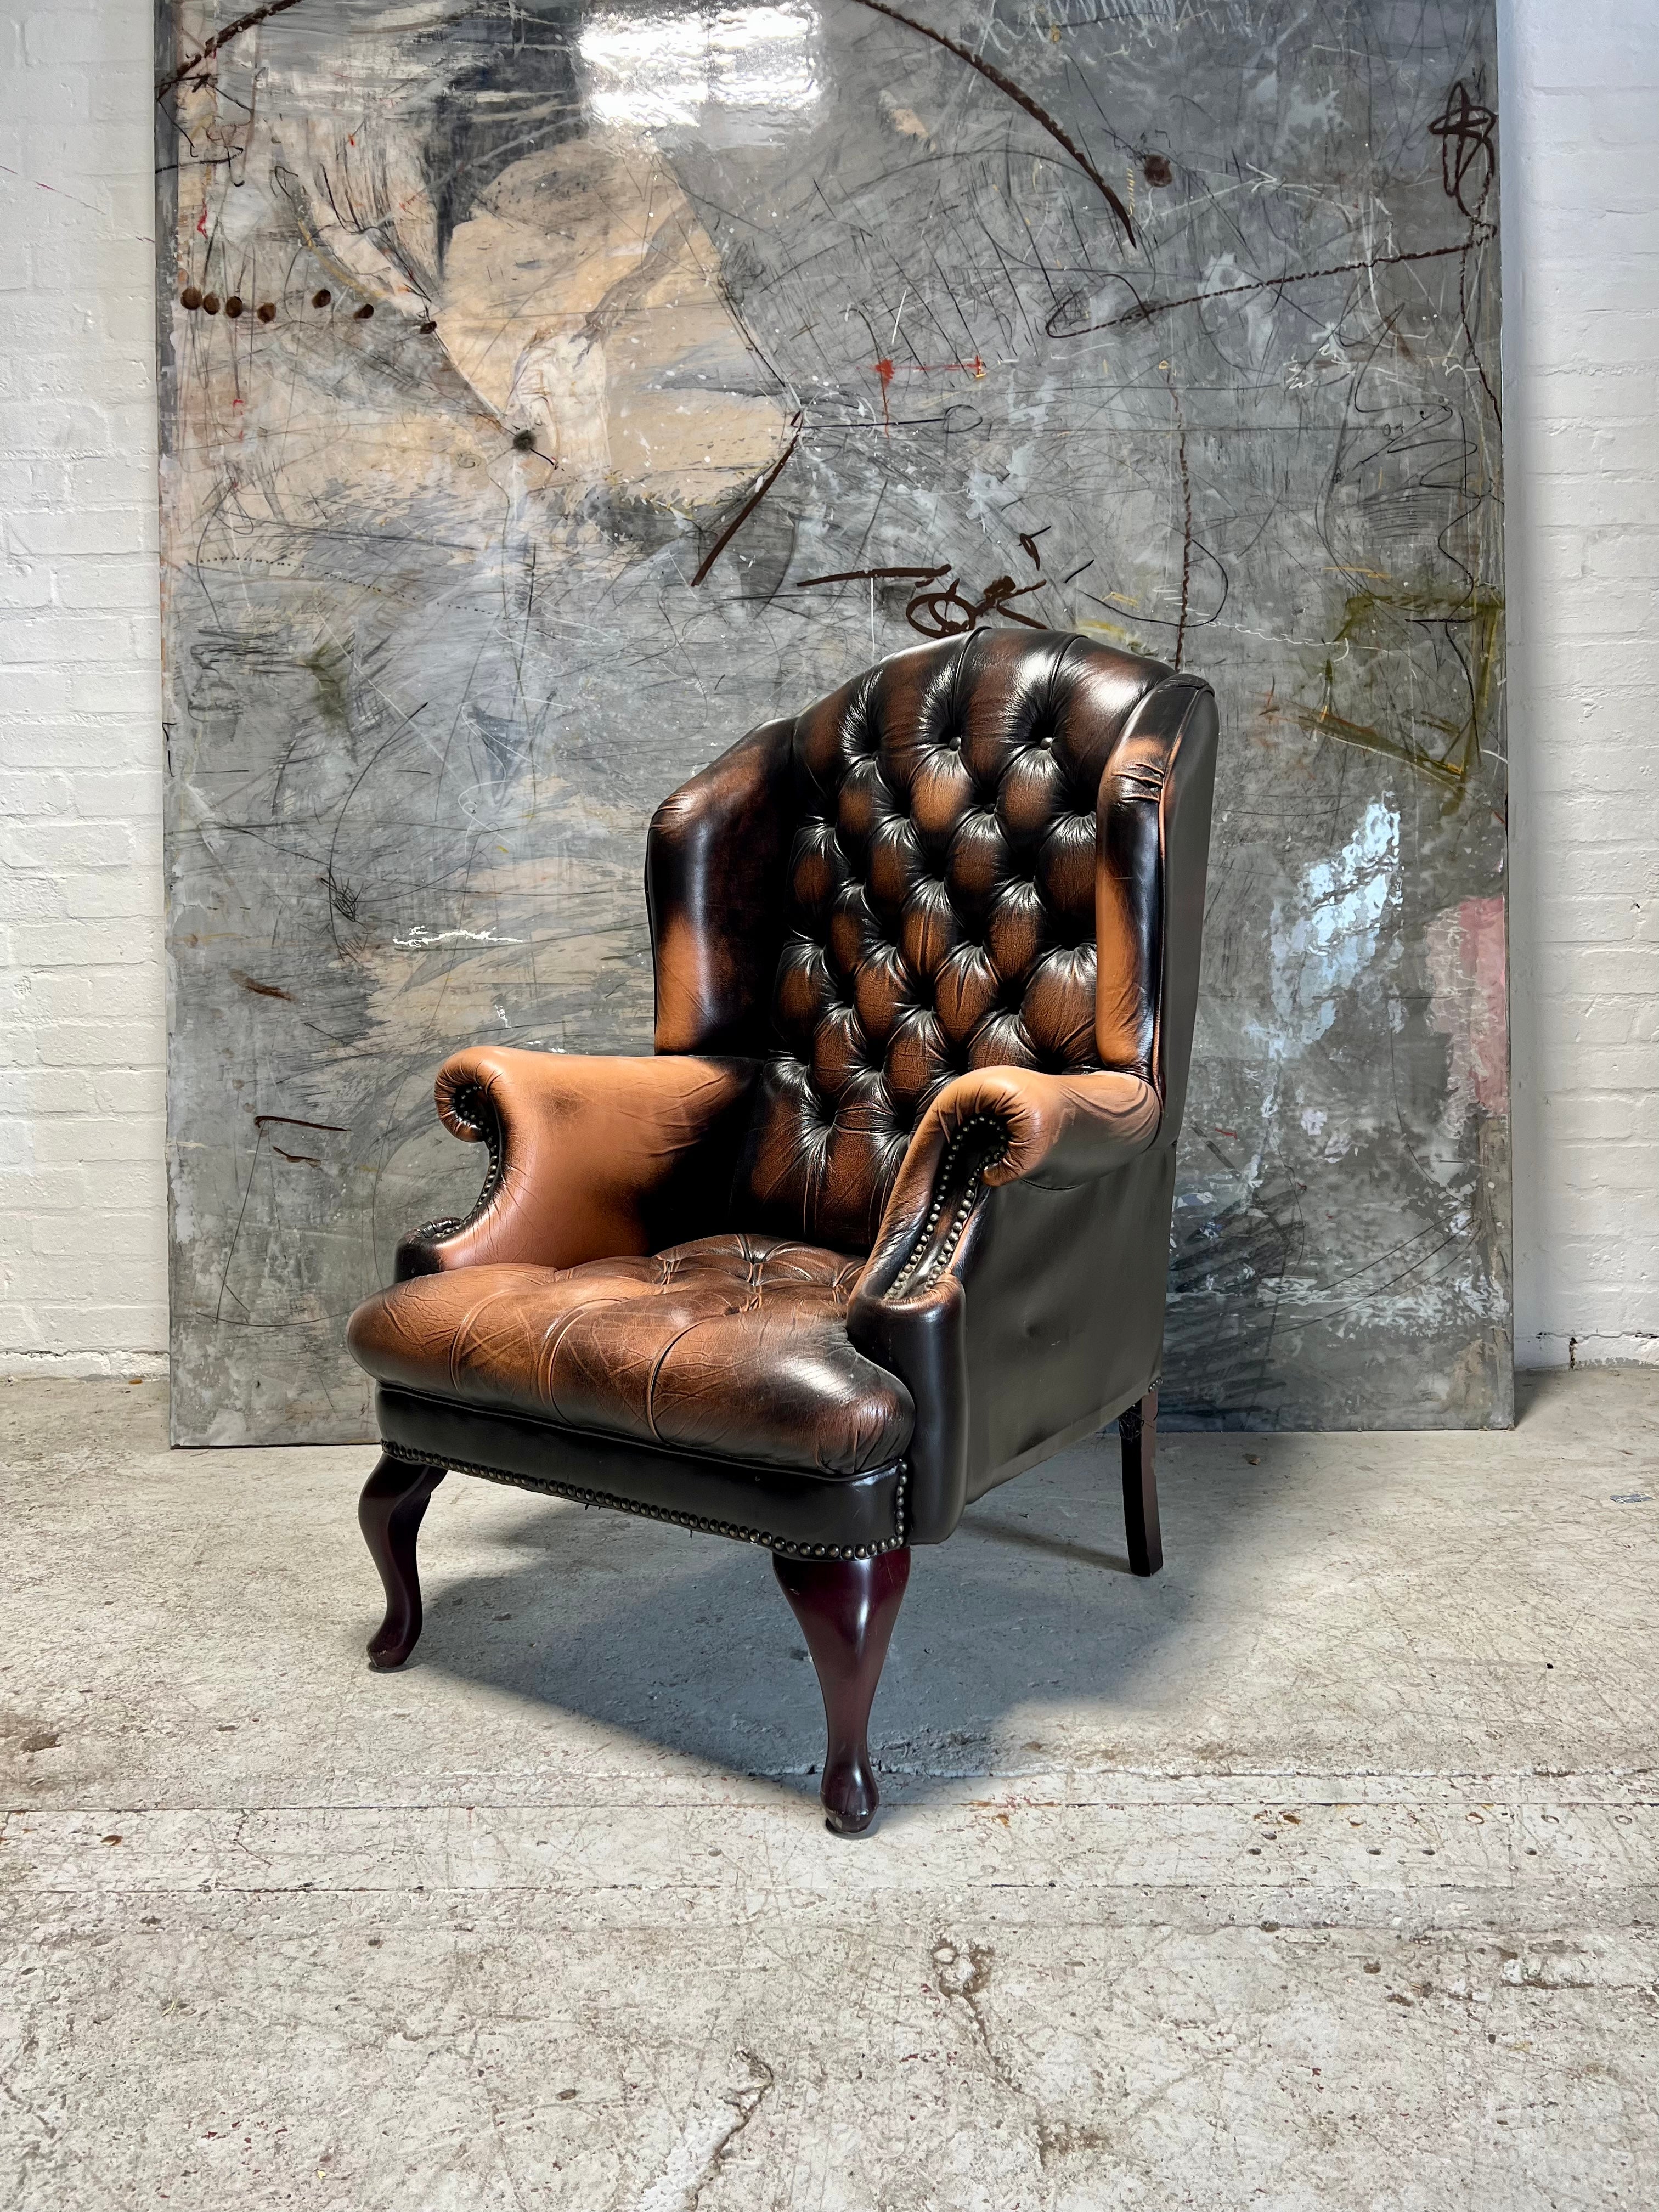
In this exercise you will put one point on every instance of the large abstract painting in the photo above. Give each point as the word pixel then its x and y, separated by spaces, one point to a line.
pixel 554 389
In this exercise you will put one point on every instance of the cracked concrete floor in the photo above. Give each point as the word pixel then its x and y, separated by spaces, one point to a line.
pixel 1321 1872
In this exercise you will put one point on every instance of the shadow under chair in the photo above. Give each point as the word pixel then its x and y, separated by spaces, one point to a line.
pixel 884 1219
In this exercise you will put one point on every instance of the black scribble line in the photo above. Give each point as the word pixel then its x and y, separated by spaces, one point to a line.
pixel 288 1121
pixel 734 306
pixel 223 38
pixel 748 505
pixel 856 425
pixel 1007 86
pixel 329 875
pixel 1465 129
pixel 940 622
pixel 963 255
pixel 996 246
pixel 1468 332
pixel 235 1234
pixel 875 516
pixel 1187 516
pixel 297 1159
pixel 1145 311
pixel 1026 221
pixel 954 302
pixel 342 897
pixel 864 575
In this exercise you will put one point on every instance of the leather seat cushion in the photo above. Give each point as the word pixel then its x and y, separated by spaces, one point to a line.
pixel 732 1346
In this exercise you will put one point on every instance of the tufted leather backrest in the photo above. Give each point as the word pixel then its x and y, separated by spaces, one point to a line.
pixel 937 909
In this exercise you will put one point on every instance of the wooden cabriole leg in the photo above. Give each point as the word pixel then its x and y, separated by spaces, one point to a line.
pixel 846 1608
pixel 1137 1429
pixel 389 1514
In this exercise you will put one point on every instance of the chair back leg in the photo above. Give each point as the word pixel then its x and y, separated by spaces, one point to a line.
pixel 1137 1429
pixel 389 1514
pixel 846 1608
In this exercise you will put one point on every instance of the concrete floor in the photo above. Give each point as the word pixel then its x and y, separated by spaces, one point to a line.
pixel 1321 1872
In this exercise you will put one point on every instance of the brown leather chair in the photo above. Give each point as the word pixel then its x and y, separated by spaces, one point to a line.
pixel 885 1220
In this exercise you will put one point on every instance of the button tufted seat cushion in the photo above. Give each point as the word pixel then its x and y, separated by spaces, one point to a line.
pixel 733 1345
pixel 941 895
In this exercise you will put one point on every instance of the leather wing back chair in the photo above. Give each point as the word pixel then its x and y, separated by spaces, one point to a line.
pixel 885 1220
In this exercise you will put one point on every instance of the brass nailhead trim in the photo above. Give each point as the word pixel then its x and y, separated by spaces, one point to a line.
pixel 486 1124
pixel 901 1281
pixel 781 1544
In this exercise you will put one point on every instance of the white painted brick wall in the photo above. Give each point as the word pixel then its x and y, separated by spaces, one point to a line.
pixel 82 1018
pixel 1579 103
pixel 82 1022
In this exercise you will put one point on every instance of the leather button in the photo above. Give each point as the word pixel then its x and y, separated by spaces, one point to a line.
pixel 943 887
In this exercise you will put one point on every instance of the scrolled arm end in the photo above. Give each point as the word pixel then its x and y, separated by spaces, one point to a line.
pixel 464 1093
pixel 909 1312
pixel 997 1126
pixel 590 1156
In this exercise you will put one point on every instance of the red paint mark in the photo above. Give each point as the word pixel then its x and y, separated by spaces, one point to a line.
pixel 885 371
pixel 57 191
pixel 201 224
pixel 1466 962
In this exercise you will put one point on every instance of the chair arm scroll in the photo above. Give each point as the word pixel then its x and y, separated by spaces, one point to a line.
pixel 590 1156
pixel 997 1126
pixel 910 1312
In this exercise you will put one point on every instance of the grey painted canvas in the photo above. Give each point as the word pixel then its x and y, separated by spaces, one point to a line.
pixel 553 390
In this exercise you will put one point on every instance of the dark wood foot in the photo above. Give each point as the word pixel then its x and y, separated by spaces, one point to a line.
pixel 1138 1428
pixel 389 1514
pixel 846 1608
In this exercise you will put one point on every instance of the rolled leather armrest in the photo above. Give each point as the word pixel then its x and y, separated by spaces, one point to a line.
pixel 923 1341
pixel 998 1125
pixel 1001 1125
pixel 591 1157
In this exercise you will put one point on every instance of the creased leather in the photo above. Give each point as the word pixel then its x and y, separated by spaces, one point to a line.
pixel 941 908
pixel 940 938
pixel 925 1341
pixel 1064 1296
pixel 1003 1127
pixel 732 1346
pixel 598 1156
pixel 784 1507
pixel 1053 1131
pixel 714 882
pixel 1176 723
pixel 1056 1192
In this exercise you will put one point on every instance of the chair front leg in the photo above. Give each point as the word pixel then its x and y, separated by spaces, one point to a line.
pixel 389 1514
pixel 1137 1429
pixel 846 1608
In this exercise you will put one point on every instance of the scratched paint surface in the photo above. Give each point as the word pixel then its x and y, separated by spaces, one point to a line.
pixel 551 392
